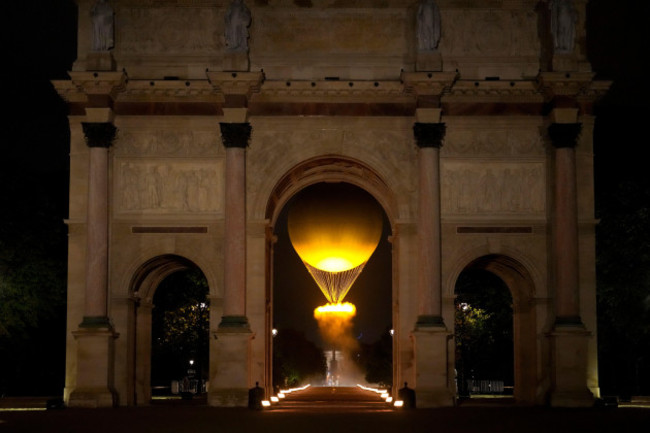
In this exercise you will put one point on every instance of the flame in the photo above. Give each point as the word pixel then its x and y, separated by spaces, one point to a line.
pixel 343 309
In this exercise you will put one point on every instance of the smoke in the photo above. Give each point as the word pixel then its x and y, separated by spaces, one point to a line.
pixel 335 322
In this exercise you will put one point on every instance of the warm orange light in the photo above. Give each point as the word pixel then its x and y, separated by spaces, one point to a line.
pixel 335 323
pixel 335 228
pixel 341 309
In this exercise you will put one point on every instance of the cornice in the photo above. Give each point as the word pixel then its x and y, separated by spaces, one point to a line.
pixel 332 91
pixel 99 83
pixel 494 91
pixel 170 90
pixel 428 83
pixel 568 84
pixel 236 83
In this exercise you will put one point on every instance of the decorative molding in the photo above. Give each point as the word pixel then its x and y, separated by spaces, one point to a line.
pixel 428 83
pixel 99 83
pixel 571 84
pixel 323 90
pixel 236 83
pixel 169 90
pixel 511 91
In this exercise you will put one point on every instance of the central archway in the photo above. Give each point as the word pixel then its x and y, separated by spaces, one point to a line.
pixel 328 169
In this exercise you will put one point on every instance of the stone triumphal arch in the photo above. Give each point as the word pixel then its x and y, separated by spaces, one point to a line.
pixel 194 121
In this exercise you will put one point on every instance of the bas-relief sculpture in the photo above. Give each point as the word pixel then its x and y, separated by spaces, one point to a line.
pixel 237 20
pixel 102 16
pixel 499 142
pixel 563 25
pixel 493 188
pixel 428 25
pixel 163 188
pixel 168 143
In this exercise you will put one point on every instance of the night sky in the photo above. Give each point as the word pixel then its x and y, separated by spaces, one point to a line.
pixel 36 142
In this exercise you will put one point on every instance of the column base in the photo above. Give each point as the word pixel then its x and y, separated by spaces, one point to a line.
pixel 229 397
pixel 95 362
pixel 569 357
pixel 230 370
pixel 92 398
pixel 432 387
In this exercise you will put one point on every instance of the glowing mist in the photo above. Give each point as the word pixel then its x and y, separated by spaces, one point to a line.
pixel 335 322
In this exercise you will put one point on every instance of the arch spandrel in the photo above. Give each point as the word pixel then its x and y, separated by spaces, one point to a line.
pixel 387 154
pixel 506 259
pixel 149 268
pixel 331 168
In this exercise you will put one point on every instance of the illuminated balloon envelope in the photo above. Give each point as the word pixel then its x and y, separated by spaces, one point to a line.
pixel 335 228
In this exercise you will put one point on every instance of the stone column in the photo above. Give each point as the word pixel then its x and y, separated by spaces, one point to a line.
pixel 569 336
pixel 235 138
pixel 430 334
pixel 95 334
pixel 230 382
pixel 429 140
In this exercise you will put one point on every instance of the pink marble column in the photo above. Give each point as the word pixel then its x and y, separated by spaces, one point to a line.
pixel 567 303
pixel 99 137
pixel 235 138
pixel 429 140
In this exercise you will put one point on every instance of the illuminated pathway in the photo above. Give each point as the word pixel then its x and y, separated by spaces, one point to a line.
pixel 339 399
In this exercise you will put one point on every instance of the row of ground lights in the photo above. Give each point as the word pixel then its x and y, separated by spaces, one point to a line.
pixel 384 394
pixel 282 394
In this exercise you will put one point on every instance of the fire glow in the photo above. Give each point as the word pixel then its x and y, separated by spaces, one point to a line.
pixel 344 309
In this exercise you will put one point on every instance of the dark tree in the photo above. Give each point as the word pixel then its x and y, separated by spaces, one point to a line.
pixel 180 327
pixel 296 360
pixel 483 329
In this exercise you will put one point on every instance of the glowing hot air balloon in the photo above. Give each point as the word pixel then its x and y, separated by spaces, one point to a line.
pixel 334 228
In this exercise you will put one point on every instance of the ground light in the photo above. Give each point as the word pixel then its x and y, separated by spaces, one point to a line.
pixel 274 399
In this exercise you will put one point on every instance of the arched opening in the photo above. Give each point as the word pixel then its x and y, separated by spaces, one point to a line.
pixel 484 335
pixel 169 328
pixel 292 293
pixel 495 317
pixel 180 329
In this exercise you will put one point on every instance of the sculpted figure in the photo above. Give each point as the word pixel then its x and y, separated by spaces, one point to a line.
pixel 238 18
pixel 102 18
pixel 563 25
pixel 428 25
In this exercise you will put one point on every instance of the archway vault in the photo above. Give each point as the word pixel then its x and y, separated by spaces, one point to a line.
pixel 330 168
pixel 522 288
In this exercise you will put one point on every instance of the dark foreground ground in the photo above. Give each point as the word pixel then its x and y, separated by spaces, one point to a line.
pixel 328 414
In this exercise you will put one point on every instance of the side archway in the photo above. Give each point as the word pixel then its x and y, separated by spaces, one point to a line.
pixel 146 279
pixel 521 285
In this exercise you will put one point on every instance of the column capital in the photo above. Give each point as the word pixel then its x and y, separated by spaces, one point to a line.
pixel 99 134
pixel 429 134
pixel 564 135
pixel 235 134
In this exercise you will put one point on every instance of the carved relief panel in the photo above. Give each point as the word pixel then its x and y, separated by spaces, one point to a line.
pixel 493 188
pixel 165 187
